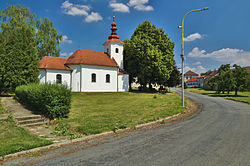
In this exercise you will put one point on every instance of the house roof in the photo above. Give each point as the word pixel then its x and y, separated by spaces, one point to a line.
pixel 194 79
pixel 213 73
pixel 113 40
pixel 56 63
pixel 190 73
pixel 121 72
pixel 248 69
pixel 89 57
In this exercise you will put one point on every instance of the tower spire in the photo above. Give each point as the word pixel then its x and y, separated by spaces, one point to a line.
pixel 113 34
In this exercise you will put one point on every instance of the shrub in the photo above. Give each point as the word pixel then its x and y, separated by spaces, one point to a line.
pixel 185 85
pixel 52 100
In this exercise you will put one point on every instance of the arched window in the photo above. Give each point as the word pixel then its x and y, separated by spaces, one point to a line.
pixel 93 77
pixel 116 50
pixel 59 78
pixel 107 78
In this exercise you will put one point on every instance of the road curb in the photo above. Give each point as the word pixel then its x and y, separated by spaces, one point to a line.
pixel 179 116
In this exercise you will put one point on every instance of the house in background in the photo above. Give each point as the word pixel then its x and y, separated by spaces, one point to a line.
pixel 189 74
pixel 87 70
pixel 196 82
pixel 248 69
pixel 209 77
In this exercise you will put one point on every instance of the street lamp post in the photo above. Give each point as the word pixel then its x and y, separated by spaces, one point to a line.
pixel 182 51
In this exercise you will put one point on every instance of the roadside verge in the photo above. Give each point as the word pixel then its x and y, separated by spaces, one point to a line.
pixel 191 110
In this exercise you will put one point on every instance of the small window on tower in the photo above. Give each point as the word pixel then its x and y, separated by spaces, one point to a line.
pixel 116 50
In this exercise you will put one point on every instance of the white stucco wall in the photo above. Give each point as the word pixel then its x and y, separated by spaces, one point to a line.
pixel 123 83
pixel 111 51
pixel 75 78
pixel 117 56
pixel 41 76
pixel 81 78
pixel 50 76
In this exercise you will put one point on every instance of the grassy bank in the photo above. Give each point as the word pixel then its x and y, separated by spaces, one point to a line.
pixel 93 113
pixel 14 139
pixel 242 96
pixel 2 110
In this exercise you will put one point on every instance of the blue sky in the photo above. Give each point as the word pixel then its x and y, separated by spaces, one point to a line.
pixel 218 36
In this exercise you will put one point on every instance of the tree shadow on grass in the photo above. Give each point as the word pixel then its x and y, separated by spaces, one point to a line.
pixel 224 95
pixel 151 92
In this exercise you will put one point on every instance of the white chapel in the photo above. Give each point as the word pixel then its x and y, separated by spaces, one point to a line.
pixel 89 71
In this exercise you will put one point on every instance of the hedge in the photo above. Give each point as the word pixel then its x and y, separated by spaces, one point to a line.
pixel 52 100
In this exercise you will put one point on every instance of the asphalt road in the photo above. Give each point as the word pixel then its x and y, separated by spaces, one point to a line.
pixel 218 136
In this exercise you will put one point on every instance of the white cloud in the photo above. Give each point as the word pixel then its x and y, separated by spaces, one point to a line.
pixel 80 10
pixel 75 9
pixel 140 5
pixel 94 16
pixel 64 54
pixel 192 37
pixel 198 69
pixel 119 7
pixel 197 63
pixel 196 52
pixel 66 40
pixel 225 55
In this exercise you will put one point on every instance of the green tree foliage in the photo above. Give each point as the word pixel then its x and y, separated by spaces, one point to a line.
pixel 18 54
pixel 175 78
pixel 241 78
pixel 23 42
pixel 225 80
pixel 148 55
pixel 206 73
pixel 47 38
pixel 185 85
pixel 230 79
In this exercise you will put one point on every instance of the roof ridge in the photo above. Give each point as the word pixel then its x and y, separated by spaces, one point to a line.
pixel 90 50
pixel 54 57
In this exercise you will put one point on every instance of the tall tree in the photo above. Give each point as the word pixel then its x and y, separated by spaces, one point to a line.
pixel 225 81
pixel 175 78
pixel 18 56
pixel 148 55
pixel 23 41
pixel 241 78
pixel 47 38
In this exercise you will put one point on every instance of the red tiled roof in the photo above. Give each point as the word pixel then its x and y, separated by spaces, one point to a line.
pixel 89 57
pixel 194 79
pixel 56 63
pixel 121 72
pixel 213 73
pixel 190 73
pixel 114 40
pixel 248 69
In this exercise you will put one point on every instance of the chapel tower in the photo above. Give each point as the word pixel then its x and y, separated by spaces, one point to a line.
pixel 113 46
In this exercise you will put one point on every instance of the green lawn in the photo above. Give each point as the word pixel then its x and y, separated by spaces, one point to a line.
pixel 14 139
pixel 242 96
pixel 2 110
pixel 93 113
